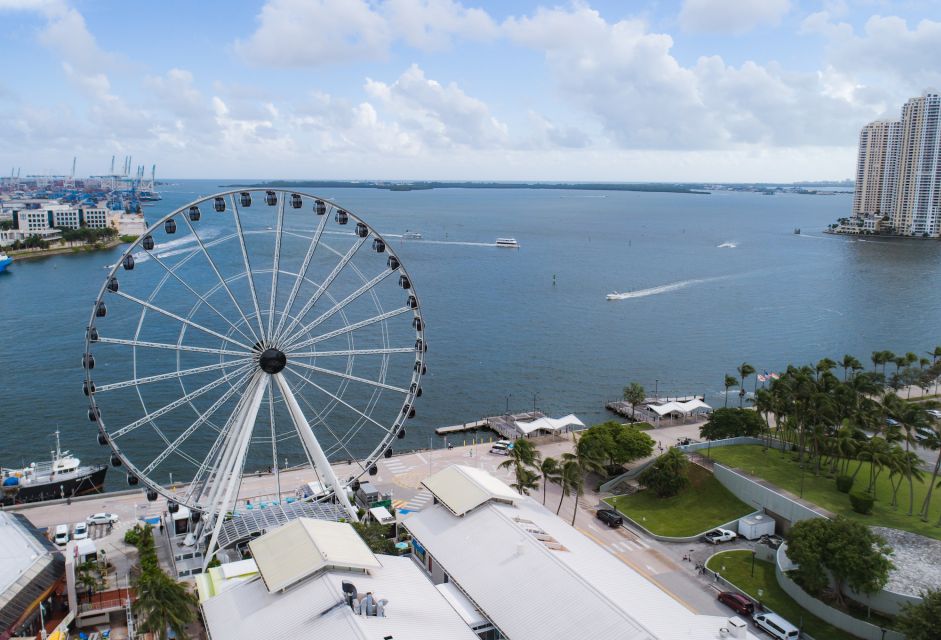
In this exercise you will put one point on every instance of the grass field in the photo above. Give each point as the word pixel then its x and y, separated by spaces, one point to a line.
pixel 738 571
pixel 703 505
pixel 780 468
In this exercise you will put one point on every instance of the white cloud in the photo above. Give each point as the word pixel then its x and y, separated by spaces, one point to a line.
pixel 731 16
pixel 443 116
pixel 626 77
pixel 308 33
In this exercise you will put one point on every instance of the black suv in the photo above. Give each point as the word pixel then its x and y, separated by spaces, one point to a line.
pixel 610 517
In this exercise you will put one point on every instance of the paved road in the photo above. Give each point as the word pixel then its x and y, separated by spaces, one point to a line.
pixel 401 475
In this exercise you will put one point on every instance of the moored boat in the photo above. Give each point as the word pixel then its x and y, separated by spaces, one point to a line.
pixel 510 243
pixel 62 477
pixel 5 261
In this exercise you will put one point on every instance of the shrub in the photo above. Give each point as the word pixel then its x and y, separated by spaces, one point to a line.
pixel 844 484
pixel 667 475
pixel 861 502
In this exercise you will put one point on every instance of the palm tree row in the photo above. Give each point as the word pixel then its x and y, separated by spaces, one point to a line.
pixel 844 423
pixel 568 472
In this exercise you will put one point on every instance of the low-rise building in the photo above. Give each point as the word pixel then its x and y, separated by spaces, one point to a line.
pixel 318 579
pixel 534 577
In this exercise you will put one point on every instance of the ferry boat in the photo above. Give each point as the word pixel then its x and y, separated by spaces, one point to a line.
pixel 5 261
pixel 510 243
pixel 62 477
pixel 411 235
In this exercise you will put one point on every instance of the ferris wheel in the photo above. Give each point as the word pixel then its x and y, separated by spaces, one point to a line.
pixel 253 330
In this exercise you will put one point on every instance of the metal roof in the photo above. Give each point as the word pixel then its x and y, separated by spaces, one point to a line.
pixel 304 547
pixel 314 609
pixel 536 577
pixel 249 523
pixel 29 567
pixel 462 489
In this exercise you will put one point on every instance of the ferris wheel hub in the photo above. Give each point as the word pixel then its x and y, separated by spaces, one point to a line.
pixel 272 361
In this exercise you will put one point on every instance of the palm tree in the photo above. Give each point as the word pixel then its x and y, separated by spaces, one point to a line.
pixel 634 394
pixel 825 364
pixel 549 468
pixel 523 457
pixel 744 370
pixel 163 604
pixel 887 357
pixel 935 354
pixel 933 442
pixel 877 359
pixel 764 404
pixel 575 478
pixel 730 381
pixel 850 362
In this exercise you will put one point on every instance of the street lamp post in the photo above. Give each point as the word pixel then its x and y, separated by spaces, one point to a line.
pixel 534 404
pixel 753 563
pixel 507 410
pixel 656 389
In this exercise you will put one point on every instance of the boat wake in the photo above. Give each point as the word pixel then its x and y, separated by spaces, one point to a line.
pixel 174 247
pixel 664 288
pixel 727 245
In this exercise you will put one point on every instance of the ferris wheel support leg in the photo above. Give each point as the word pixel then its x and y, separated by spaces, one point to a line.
pixel 312 446
pixel 233 477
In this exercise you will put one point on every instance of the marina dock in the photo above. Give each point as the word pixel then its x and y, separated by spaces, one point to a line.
pixel 467 426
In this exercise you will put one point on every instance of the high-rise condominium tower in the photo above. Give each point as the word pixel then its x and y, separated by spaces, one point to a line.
pixel 874 149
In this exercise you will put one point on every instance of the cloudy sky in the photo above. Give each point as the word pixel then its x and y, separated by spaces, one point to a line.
pixel 630 90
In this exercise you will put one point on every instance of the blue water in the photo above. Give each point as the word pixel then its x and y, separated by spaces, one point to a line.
pixel 712 280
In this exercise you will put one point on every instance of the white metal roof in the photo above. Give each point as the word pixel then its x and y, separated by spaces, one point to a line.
pixel 382 515
pixel 679 407
pixel 536 577
pixel 462 489
pixel 305 546
pixel 550 424
pixel 240 568
pixel 415 611
pixel 459 602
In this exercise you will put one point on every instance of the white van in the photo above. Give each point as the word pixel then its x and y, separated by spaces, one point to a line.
pixel 501 447
pixel 777 626
pixel 62 534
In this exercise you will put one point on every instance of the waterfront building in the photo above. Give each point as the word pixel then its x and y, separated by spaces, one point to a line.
pixel 318 579
pixel 531 575
pixel 871 165
pixel 44 218
pixel 31 571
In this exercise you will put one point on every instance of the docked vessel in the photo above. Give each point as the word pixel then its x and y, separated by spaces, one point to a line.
pixel 411 235
pixel 62 477
pixel 5 261
pixel 510 243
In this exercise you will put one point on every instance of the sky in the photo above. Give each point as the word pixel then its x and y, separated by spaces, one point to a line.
pixel 630 90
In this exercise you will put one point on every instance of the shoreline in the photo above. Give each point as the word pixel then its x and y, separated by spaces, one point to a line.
pixel 31 254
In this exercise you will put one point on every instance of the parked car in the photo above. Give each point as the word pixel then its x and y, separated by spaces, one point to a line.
pixel 776 626
pixel 923 433
pixel 934 413
pixel 501 447
pixel 738 602
pixel 80 531
pixel 102 518
pixel 610 517
pixel 719 535
pixel 61 535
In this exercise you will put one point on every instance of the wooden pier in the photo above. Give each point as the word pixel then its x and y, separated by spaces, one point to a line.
pixel 503 425
pixel 467 426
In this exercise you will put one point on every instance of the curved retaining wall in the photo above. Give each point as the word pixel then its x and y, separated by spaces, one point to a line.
pixel 844 621
pixel 727 525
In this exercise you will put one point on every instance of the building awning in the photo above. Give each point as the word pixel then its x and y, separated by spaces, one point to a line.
pixel 684 408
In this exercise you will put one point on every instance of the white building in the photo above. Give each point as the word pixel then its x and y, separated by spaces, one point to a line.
pixel 533 576
pixel 313 580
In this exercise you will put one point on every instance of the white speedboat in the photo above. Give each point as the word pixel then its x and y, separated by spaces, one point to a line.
pixel 613 296
pixel 411 235
pixel 510 243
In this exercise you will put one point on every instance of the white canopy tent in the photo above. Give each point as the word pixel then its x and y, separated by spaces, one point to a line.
pixel 550 425
pixel 680 408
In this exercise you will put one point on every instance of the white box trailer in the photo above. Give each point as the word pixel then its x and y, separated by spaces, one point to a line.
pixel 756 525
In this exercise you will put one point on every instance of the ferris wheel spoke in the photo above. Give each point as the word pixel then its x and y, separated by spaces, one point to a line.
pixel 222 281
pixel 349 352
pixel 309 440
pixel 274 440
pixel 172 347
pixel 274 269
pixel 351 327
pixel 347 376
pixel 248 266
pixel 199 296
pixel 302 272
pixel 185 321
pixel 179 402
pixel 321 420
pixel 323 287
pixel 338 399
pixel 202 419
pixel 332 311
pixel 171 375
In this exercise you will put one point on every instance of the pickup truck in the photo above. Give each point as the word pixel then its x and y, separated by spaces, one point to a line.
pixel 719 535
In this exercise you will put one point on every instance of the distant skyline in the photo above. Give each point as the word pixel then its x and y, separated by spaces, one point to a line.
pixel 692 90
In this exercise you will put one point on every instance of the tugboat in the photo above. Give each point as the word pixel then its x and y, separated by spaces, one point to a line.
pixel 62 477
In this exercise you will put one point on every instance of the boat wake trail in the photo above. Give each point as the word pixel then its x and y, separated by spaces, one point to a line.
pixel 727 245
pixel 664 288
pixel 465 244
pixel 175 247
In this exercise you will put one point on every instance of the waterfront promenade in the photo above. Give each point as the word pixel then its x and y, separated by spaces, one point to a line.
pixel 401 475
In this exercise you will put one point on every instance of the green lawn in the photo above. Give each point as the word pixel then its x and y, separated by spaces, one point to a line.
pixel 738 571
pixel 780 468
pixel 703 505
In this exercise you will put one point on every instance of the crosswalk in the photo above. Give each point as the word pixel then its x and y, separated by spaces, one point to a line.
pixel 418 501
pixel 396 466
pixel 625 546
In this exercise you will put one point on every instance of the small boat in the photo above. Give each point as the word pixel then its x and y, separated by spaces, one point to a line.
pixel 411 235
pixel 797 231
pixel 510 243
pixel 613 296
pixel 5 261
